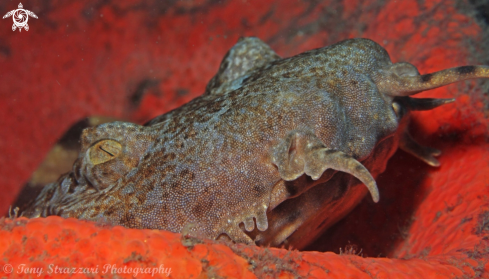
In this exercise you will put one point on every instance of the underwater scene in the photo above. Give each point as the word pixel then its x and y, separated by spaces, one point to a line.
pixel 244 139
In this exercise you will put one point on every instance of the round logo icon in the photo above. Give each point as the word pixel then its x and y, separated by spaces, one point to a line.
pixel 8 268
pixel 20 17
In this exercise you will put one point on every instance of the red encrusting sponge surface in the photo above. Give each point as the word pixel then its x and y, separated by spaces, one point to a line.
pixel 55 247
pixel 138 60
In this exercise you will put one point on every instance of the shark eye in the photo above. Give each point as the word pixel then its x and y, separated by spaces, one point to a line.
pixel 104 151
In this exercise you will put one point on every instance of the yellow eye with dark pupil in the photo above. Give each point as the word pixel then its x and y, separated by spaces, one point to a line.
pixel 104 151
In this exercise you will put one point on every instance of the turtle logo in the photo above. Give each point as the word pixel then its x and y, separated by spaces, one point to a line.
pixel 20 17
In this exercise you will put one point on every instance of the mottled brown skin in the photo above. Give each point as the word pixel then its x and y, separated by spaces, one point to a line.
pixel 274 152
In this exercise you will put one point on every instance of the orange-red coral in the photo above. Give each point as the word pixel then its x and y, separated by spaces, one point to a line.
pixel 53 246
pixel 89 58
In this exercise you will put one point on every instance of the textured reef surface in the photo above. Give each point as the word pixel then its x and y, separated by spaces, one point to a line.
pixel 138 60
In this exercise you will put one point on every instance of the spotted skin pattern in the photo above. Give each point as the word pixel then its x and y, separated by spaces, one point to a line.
pixel 274 152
